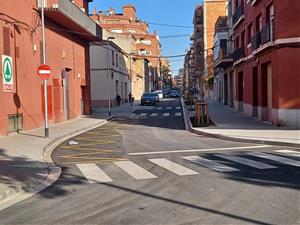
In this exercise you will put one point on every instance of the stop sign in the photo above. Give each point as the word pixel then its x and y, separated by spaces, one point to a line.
pixel 44 71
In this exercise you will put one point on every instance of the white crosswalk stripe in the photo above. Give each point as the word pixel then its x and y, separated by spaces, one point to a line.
pixel 210 164
pixel 154 114
pixel 166 114
pixel 289 152
pixel 159 107
pixel 143 114
pixel 173 167
pixel 178 114
pixel 276 158
pixel 169 107
pixel 93 173
pixel 244 161
pixel 178 107
pixel 134 170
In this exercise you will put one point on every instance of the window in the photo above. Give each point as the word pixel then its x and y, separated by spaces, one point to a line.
pixel 117 31
pixel 117 60
pixel 243 38
pixel 258 24
pixel 237 42
pixel 249 33
pixel 223 46
pixel 113 57
pixel 270 19
pixel 117 87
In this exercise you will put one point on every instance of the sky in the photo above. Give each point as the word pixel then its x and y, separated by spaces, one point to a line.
pixel 172 12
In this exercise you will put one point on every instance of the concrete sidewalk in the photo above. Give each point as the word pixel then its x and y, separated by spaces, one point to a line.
pixel 237 126
pixel 26 167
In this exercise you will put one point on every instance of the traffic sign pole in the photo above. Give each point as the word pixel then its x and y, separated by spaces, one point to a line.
pixel 45 80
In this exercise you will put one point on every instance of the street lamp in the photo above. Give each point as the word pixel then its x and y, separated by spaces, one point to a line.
pixel 107 74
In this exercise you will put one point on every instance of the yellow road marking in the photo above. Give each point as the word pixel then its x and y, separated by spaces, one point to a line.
pixel 89 149
pixel 76 148
pixel 95 161
pixel 96 140
pixel 87 144
pixel 85 153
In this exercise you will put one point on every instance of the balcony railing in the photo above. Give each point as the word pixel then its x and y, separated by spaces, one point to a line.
pixel 238 14
pixel 256 41
pixel 224 59
pixel 70 16
pixel 267 33
pixel 238 54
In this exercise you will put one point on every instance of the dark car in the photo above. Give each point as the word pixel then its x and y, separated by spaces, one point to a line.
pixel 174 94
pixel 149 98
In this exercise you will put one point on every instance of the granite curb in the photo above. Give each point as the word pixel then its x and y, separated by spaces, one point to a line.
pixel 189 127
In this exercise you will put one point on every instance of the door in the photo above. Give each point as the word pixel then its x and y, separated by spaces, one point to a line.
pixel 240 91
pixel 226 89
pixel 269 91
pixel 66 83
pixel 254 92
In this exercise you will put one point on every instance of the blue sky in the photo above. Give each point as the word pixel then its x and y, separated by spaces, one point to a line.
pixel 177 12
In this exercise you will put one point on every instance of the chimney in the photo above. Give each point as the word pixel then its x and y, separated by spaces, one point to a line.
pixel 129 11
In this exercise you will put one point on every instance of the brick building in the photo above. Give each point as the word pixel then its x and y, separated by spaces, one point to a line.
pixel 68 32
pixel 266 59
pixel 205 17
pixel 147 44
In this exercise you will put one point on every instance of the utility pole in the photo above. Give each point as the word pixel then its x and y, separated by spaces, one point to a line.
pixel 44 62
pixel 107 74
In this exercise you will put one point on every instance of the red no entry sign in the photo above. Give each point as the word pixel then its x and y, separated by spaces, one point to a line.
pixel 44 71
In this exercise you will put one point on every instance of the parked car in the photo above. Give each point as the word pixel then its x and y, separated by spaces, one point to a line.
pixel 160 94
pixel 166 94
pixel 174 94
pixel 149 98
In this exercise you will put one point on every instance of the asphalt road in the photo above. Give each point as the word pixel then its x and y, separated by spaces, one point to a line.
pixel 146 169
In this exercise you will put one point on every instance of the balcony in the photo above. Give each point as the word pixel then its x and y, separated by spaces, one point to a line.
pixel 224 59
pixel 73 18
pixel 256 41
pixel 238 16
pixel 238 54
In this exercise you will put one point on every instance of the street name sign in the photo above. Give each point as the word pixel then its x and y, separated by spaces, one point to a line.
pixel 7 73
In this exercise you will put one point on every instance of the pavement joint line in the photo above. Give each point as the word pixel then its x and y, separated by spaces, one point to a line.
pixel 198 150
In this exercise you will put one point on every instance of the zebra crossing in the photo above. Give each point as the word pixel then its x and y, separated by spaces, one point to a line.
pixel 165 114
pixel 94 174
pixel 167 107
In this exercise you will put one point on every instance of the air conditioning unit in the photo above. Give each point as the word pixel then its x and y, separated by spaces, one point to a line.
pixel 55 6
pixel 39 3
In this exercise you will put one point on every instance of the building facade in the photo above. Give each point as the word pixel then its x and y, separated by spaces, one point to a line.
pixel 109 74
pixel 147 45
pixel 68 32
pixel 266 59
pixel 223 63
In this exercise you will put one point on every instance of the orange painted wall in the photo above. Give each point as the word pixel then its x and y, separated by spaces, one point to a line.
pixel 62 50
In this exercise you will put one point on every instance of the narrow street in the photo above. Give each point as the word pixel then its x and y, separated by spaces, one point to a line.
pixel 145 168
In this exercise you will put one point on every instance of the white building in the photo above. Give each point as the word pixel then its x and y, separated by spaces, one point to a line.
pixel 107 83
